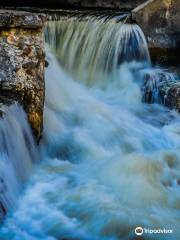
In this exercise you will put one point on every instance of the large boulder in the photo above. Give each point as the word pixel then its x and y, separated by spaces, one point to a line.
pixel 160 21
pixel 22 60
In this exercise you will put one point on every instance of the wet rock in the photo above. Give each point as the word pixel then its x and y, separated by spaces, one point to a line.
pixel 164 91
pixel 22 62
pixel 160 21
pixel 170 95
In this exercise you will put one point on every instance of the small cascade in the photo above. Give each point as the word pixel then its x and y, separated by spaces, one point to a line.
pixel 92 48
pixel 17 153
pixel 157 83
pixel 77 15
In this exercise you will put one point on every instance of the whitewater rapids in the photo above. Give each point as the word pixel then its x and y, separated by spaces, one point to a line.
pixel 109 163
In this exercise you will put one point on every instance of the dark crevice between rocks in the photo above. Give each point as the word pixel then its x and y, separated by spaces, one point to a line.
pixel 74 4
pixel 165 56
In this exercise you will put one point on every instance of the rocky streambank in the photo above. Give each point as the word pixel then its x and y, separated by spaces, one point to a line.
pixel 22 62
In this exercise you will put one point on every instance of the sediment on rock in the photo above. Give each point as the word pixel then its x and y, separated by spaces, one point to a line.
pixel 22 61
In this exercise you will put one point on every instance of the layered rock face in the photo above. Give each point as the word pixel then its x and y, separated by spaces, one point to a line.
pixel 22 60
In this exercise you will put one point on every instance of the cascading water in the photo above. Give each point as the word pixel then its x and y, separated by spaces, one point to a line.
pixel 110 162
pixel 91 49
pixel 17 152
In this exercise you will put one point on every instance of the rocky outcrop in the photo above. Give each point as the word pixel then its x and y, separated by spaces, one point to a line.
pixel 22 60
pixel 160 21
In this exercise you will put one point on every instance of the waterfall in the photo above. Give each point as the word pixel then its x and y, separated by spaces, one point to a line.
pixel 110 162
pixel 91 49
pixel 17 153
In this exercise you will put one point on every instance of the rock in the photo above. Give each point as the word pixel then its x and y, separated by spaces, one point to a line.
pixel 160 21
pixel 22 62
pixel 10 18
pixel 163 89
pixel 170 95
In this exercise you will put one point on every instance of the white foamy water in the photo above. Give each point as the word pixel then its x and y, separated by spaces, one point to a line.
pixel 109 163
pixel 91 49
pixel 17 153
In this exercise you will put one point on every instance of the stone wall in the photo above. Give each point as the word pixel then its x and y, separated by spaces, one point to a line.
pixel 22 63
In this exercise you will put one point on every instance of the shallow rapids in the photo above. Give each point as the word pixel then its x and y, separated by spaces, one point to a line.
pixel 109 163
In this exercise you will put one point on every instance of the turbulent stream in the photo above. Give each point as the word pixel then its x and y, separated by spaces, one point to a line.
pixel 108 161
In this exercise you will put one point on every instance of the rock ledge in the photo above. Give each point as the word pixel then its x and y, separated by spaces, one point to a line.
pixel 22 62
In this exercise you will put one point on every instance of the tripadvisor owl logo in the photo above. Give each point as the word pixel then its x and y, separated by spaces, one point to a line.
pixel 139 231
